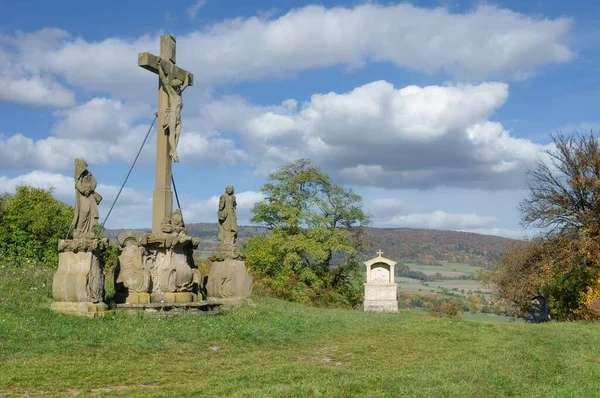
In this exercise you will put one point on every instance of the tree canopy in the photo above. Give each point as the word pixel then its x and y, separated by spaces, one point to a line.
pixel 311 220
pixel 563 263
pixel 31 223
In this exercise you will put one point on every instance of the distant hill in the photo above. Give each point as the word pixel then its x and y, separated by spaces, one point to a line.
pixel 425 246
pixel 429 246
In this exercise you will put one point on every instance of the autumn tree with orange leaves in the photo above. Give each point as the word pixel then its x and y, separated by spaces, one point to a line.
pixel 562 264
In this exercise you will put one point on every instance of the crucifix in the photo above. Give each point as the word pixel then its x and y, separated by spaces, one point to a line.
pixel 379 252
pixel 172 81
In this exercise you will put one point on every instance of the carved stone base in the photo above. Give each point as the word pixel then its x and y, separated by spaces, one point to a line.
pixel 181 297
pixel 92 310
pixel 231 302
pixel 78 285
pixel 381 297
pixel 229 280
pixel 156 268
pixel 132 297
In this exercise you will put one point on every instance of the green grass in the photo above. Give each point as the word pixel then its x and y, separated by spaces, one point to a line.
pixel 282 349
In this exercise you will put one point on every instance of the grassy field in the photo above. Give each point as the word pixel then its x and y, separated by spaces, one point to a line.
pixel 281 349
pixel 449 272
pixel 447 269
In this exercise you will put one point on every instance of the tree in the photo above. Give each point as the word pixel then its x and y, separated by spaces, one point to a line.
pixel 311 221
pixel 564 263
pixel 564 193
pixel 31 223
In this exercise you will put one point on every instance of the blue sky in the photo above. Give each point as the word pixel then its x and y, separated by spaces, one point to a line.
pixel 433 111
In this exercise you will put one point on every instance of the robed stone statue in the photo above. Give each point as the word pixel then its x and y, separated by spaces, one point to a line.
pixel 86 202
pixel 228 228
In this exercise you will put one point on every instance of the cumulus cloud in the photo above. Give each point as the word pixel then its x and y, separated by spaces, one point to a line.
pixel 210 148
pixel 99 130
pixel 440 220
pixel 481 43
pixel 376 134
pixel 24 82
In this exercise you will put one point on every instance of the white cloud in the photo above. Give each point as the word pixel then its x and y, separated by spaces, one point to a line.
pixel 35 90
pixel 100 117
pixel 487 41
pixel 195 8
pixel 440 220
pixel 378 135
pixel 210 148
pixel 99 131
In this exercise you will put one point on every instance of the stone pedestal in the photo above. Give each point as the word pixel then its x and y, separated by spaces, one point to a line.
pixel 229 282
pixel 381 293
pixel 381 297
pixel 78 286
pixel 156 268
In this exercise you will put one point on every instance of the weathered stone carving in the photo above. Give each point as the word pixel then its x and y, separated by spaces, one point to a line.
pixel 78 285
pixel 228 227
pixel 86 202
pixel 228 281
pixel 172 120
pixel 132 272
pixel 153 267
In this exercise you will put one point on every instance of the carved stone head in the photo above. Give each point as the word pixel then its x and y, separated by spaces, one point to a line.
pixel 229 189
pixel 80 167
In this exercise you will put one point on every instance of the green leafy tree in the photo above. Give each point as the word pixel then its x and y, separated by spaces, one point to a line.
pixel 310 221
pixel 31 223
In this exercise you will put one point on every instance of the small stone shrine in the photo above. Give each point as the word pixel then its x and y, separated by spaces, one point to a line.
pixel 229 282
pixel 78 285
pixel 157 270
pixel 380 290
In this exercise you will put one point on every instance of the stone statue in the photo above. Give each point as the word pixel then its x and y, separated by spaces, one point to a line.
pixel 228 281
pixel 172 120
pixel 86 202
pixel 228 227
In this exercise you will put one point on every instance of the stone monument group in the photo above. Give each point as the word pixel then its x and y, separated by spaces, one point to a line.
pixel 156 270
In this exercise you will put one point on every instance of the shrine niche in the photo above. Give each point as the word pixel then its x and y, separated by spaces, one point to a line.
pixel 380 290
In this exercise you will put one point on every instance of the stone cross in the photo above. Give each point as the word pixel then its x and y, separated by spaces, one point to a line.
pixel 162 199
pixel 379 252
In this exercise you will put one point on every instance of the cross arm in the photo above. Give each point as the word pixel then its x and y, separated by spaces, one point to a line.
pixel 150 62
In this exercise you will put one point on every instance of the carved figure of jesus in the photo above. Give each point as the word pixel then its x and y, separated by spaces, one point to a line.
pixel 172 120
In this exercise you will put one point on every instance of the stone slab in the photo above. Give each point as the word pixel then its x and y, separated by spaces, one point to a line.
pixel 381 305
pixel 232 302
pixel 381 291
pixel 132 298
pixel 92 310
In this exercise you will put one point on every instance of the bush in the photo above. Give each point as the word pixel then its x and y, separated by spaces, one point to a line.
pixel 31 223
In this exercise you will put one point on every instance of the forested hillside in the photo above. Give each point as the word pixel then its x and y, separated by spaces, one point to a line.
pixel 428 246
pixel 425 246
